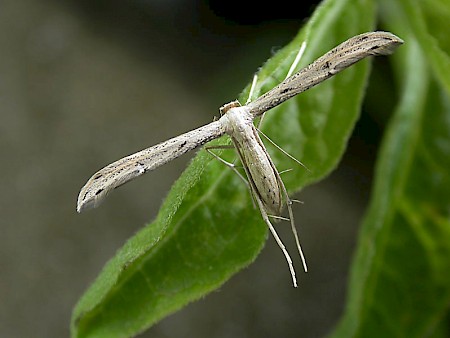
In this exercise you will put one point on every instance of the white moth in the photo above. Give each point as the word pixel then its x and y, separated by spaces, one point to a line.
pixel 265 183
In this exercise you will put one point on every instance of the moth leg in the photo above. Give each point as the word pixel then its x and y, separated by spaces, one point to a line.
pixel 296 60
pixel 292 221
pixel 252 89
pixel 280 218
pixel 232 166
pixel 285 171
pixel 289 73
pixel 277 239
pixel 283 151
pixel 297 201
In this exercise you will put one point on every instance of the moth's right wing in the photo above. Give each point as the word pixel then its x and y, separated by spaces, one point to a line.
pixel 120 172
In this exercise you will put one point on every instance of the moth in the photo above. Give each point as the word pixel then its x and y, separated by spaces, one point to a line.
pixel 237 121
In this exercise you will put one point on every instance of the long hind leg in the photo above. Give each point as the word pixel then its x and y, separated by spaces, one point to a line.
pixel 277 239
pixel 292 221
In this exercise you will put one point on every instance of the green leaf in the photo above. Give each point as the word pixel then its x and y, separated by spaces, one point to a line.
pixel 207 229
pixel 426 19
pixel 400 279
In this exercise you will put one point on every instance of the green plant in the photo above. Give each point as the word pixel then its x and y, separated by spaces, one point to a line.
pixel 197 242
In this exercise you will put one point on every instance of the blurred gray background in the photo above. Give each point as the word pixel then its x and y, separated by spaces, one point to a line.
pixel 83 83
